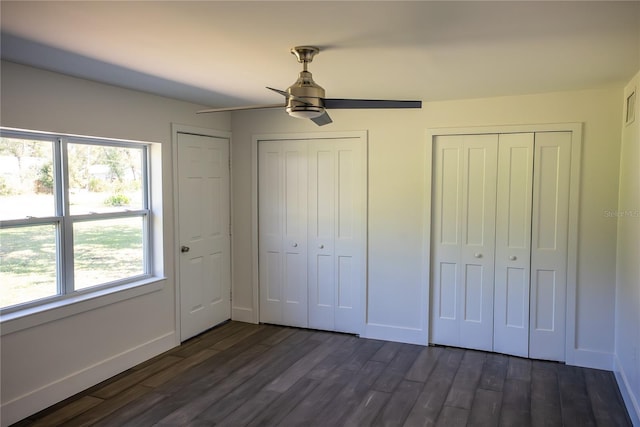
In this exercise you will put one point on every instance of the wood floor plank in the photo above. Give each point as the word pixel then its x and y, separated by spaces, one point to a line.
pixel 137 376
pixel 225 386
pixel 485 411
pixel 222 364
pixel 68 412
pixel 107 407
pixel 274 365
pixel 516 403
pixel 452 417
pixel 241 374
pixel 387 352
pixel 235 338
pixel 307 411
pixel 545 395
pixel 494 372
pixel 176 369
pixel 397 368
pixel 465 382
pixel 122 416
pixel 605 398
pixel 250 409
pixel 576 405
pixel 519 369
pixel 281 334
pixel 336 359
pixel 352 394
pixel 193 383
pixel 424 364
pixel 208 338
pixel 368 409
pixel 284 404
pixel 427 407
pixel 299 369
pixel 365 352
pixel 400 403
pixel 258 401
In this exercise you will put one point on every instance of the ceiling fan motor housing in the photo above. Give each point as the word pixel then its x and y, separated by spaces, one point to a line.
pixel 305 89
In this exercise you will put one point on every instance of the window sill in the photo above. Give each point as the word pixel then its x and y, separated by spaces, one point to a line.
pixel 45 313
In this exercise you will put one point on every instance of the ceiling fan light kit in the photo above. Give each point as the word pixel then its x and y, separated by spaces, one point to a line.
pixel 305 99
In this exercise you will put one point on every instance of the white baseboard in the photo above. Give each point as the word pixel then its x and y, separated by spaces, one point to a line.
pixel 242 314
pixel 395 333
pixel 630 400
pixel 56 391
pixel 590 359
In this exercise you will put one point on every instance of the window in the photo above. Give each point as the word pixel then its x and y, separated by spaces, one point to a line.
pixel 74 216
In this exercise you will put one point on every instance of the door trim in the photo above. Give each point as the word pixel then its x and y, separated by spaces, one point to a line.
pixel 253 315
pixel 571 352
pixel 193 130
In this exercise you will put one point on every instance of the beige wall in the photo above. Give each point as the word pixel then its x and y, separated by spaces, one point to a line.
pixel 44 364
pixel 397 168
pixel 627 331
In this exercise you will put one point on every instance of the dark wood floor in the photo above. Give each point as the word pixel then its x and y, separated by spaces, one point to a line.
pixel 260 375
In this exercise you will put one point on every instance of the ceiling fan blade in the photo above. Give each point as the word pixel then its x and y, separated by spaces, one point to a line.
pixel 369 103
pixel 322 120
pixel 281 92
pixel 288 95
pixel 247 107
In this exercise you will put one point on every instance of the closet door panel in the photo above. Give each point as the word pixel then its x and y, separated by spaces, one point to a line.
pixel 513 244
pixel 337 213
pixel 446 241
pixel 270 204
pixel 349 240
pixel 478 241
pixel 549 245
pixel 321 225
pixel 295 233
pixel 282 226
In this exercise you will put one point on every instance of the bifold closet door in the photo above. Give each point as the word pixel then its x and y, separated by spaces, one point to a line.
pixel 337 213
pixel 282 205
pixel 464 201
pixel 513 244
pixel 520 233
pixel 549 245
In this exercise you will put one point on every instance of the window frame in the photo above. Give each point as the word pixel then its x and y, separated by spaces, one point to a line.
pixel 64 221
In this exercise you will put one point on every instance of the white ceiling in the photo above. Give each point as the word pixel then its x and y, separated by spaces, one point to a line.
pixel 224 53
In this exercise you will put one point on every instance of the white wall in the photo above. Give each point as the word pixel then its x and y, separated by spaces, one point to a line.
pixel 397 167
pixel 45 364
pixel 627 321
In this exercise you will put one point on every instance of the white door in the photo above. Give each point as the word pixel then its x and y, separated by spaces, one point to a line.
pixel 282 212
pixel 337 214
pixel 528 218
pixel 513 244
pixel 549 245
pixel 203 235
pixel 463 240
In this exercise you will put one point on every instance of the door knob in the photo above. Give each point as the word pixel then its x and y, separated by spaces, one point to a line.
pixel 477 255
pixel 184 249
pixel 295 245
pixel 513 257
pixel 321 246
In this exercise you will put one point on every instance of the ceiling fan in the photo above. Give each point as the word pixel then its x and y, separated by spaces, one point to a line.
pixel 305 98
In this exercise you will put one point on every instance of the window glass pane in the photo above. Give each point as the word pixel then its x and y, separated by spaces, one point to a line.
pixel 27 264
pixel 26 178
pixel 104 178
pixel 107 250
